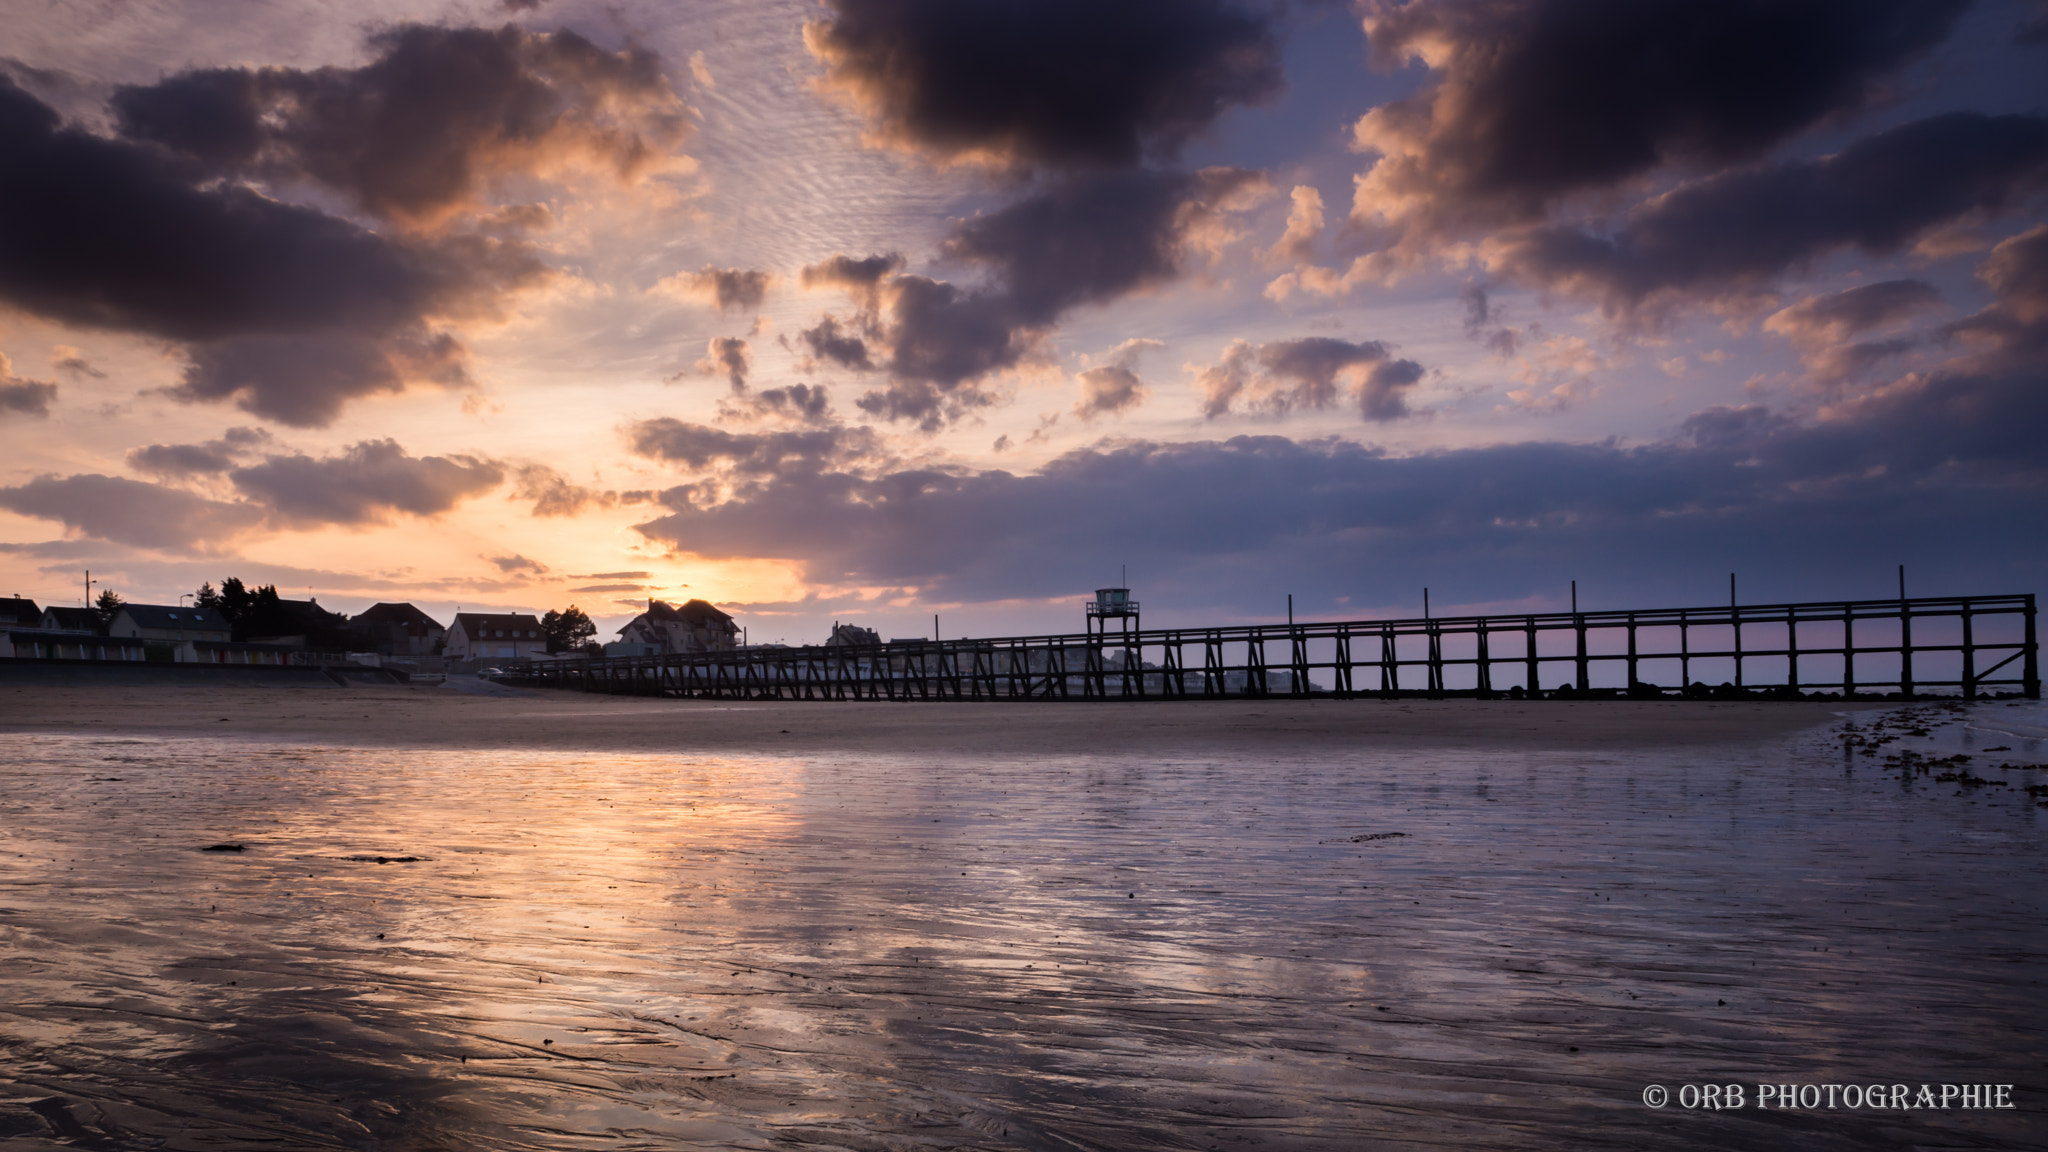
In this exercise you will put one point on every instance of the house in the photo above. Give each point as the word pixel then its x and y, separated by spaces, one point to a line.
pixel 399 631
pixel 18 612
pixel 495 636
pixel 694 627
pixel 852 636
pixel 294 624
pixel 172 628
pixel 74 620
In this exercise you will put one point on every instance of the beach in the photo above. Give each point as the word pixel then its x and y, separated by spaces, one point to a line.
pixel 477 916
pixel 480 714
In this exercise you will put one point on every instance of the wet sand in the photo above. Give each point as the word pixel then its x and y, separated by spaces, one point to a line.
pixel 479 714
pixel 1268 926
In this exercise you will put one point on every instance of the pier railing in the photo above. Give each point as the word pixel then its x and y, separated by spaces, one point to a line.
pixel 1967 646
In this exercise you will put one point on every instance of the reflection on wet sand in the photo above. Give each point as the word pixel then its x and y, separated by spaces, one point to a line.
pixel 637 951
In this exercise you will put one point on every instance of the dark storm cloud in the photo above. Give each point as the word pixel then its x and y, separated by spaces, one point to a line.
pixel 305 379
pixel 421 130
pixel 1095 238
pixel 132 512
pixel 1536 99
pixel 1054 82
pixel 291 312
pixel 1309 373
pixel 1738 230
pixel 365 484
pixel 103 234
pixel 1076 241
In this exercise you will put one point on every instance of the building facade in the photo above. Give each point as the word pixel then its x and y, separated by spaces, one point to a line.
pixel 668 630
pixel 495 636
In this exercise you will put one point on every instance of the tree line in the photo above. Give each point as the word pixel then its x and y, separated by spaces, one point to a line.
pixel 260 611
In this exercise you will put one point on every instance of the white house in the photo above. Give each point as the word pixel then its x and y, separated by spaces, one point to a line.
pixel 495 636
pixel 694 627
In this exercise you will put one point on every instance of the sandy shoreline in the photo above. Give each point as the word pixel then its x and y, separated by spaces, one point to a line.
pixel 489 716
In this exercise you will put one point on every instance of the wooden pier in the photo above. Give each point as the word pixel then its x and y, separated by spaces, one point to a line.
pixel 1962 646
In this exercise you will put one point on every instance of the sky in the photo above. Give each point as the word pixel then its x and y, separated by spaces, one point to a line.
pixel 886 310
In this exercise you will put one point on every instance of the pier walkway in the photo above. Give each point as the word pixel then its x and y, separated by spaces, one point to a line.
pixel 1965 646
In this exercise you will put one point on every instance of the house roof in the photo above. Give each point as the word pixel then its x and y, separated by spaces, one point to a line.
pixel 20 609
pixel 393 614
pixel 470 622
pixel 73 619
pixel 175 616
pixel 696 612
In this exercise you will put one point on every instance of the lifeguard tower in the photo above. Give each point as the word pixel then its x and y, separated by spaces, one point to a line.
pixel 1112 604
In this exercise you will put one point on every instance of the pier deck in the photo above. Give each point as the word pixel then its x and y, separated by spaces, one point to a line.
pixel 1966 646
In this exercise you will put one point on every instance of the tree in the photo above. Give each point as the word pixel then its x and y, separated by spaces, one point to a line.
pixel 566 630
pixel 108 604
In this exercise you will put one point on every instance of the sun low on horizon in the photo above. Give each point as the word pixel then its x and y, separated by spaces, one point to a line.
pixel 882 310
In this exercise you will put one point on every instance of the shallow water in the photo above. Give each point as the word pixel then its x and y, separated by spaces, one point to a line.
pixel 1362 949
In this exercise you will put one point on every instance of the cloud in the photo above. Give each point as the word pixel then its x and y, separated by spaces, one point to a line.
pixel 1736 231
pixel 133 512
pixel 2018 273
pixel 176 461
pixel 1530 101
pixel 1837 316
pixel 1309 373
pixel 554 494
pixel 835 340
pixel 305 380
pixel 729 355
pixel 1113 387
pixel 425 129
pixel 612 576
pixel 366 484
pixel 851 275
pixel 102 233
pixel 762 454
pixel 1304 225
pixel 1824 326
pixel 1947 456
pixel 727 288
pixel 1093 239
pixel 802 403
pixel 65 358
pixel 24 396
pixel 1075 241
pixel 518 563
pixel 1060 83
pixel 609 588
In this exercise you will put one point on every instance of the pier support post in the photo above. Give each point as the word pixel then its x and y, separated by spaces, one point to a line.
pixel 1531 634
pixel 1969 657
pixel 2030 677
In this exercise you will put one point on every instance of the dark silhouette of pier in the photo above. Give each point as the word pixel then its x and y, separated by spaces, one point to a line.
pixel 1965 646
